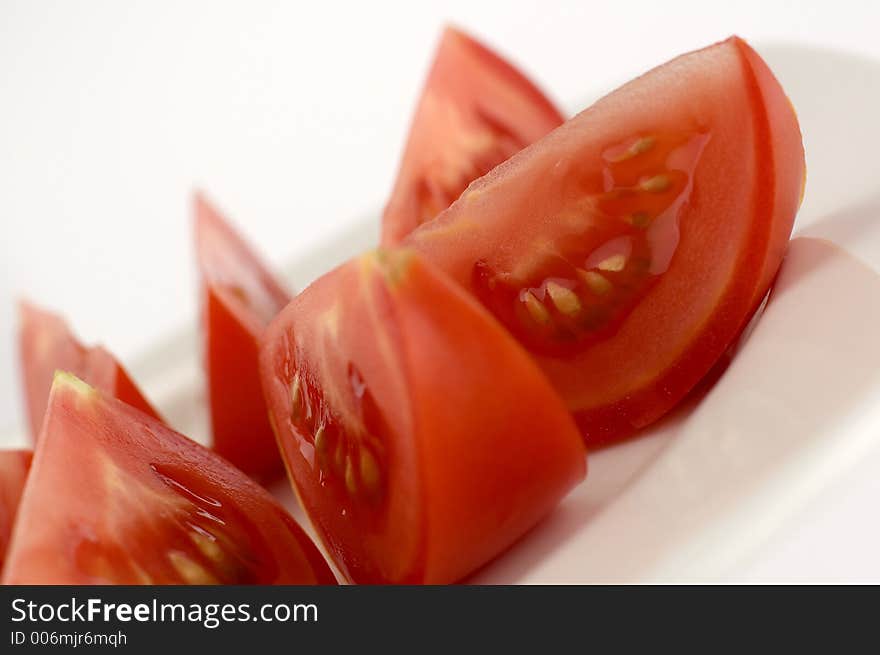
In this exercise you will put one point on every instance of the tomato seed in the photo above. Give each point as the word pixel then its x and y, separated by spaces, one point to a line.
pixel 535 308
pixel 614 263
pixel 565 300
pixel 643 144
pixel 321 446
pixel 638 219
pixel 595 282
pixel 350 479
pixel 371 474
pixel 295 398
pixel 656 184
pixel 206 545
pixel 190 570
pixel 339 458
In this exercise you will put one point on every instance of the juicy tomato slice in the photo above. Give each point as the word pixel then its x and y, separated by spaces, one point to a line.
pixel 420 438
pixel 116 497
pixel 476 111
pixel 46 344
pixel 239 298
pixel 628 248
pixel 14 466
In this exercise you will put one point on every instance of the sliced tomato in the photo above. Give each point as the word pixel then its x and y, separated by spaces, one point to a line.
pixel 422 441
pixel 116 497
pixel 239 298
pixel 628 248
pixel 14 465
pixel 476 111
pixel 46 344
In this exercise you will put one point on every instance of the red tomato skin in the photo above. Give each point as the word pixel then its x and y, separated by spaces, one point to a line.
pixel 14 466
pixel 231 330
pixel 778 127
pixel 46 344
pixel 470 470
pixel 100 508
pixel 470 94
pixel 239 421
pixel 633 377
pixel 518 479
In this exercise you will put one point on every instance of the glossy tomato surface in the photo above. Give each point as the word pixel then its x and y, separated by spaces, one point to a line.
pixel 116 497
pixel 14 466
pixel 239 296
pixel 46 344
pixel 627 249
pixel 421 439
pixel 476 110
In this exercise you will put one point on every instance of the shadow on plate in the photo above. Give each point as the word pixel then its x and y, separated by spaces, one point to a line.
pixel 855 228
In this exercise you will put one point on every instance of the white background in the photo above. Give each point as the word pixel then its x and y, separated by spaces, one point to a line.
pixel 291 115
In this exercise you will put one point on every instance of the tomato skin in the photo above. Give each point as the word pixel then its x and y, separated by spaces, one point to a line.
pixel 732 229
pixel 116 497
pixel 777 125
pixel 476 110
pixel 238 297
pixel 538 455
pixel 240 429
pixel 14 466
pixel 46 344
pixel 465 472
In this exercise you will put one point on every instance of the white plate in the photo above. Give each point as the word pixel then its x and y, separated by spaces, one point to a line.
pixel 703 490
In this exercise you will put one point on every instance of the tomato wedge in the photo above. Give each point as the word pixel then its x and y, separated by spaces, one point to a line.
pixel 116 497
pixel 14 466
pixel 239 298
pixel 420 438
pixel 627 249
pixel 46 344
pixel 476 111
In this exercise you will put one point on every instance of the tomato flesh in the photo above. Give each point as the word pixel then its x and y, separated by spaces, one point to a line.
pixel 46 345
pixel 475 112
pixel 585 281
pixel 14 466
pixel 628 248
pixel 239 298
pixel 116 497
pixel 419 437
